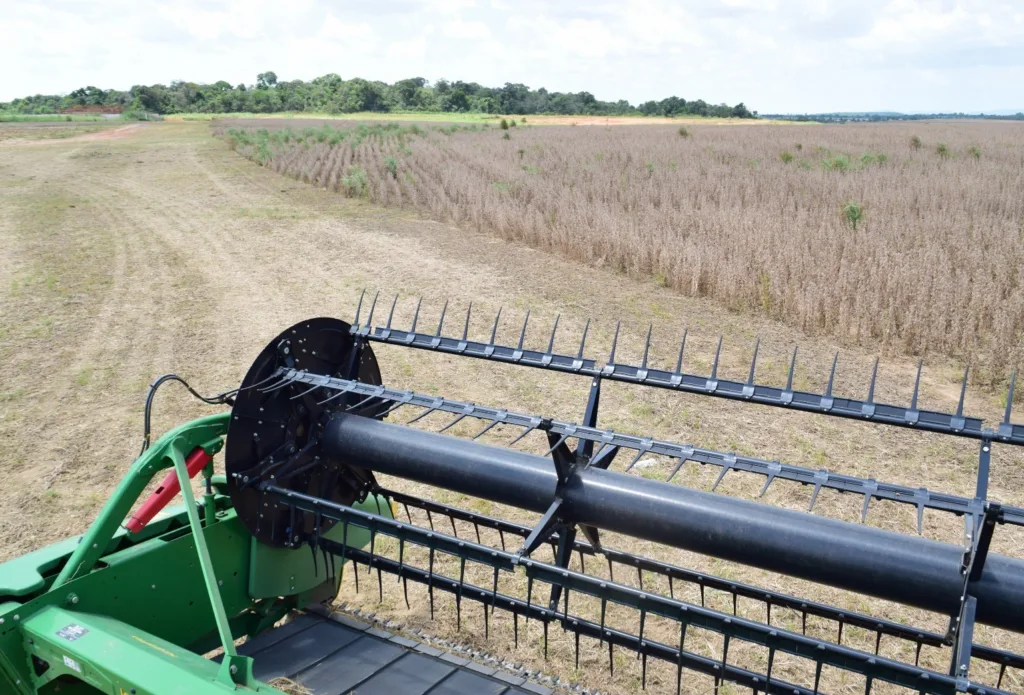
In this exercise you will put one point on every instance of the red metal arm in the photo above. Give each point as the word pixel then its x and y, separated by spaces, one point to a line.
pixel 167 491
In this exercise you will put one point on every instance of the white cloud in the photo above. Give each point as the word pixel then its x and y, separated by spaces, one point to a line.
pixel 798 55
pixel 459 29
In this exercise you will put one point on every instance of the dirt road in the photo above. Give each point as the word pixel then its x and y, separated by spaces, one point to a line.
pixel 122 258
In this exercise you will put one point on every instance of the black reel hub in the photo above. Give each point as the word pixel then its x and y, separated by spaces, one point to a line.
pixel 276 427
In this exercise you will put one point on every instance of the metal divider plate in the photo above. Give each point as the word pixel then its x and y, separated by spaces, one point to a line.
pixel 337 656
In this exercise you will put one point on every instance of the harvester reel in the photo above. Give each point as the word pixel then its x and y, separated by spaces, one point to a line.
pixel 276 428
pixel 306 437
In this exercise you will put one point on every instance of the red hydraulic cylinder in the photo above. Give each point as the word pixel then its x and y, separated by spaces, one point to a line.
pixel 167 491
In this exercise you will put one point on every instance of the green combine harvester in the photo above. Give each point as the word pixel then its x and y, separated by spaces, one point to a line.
pixel 155 599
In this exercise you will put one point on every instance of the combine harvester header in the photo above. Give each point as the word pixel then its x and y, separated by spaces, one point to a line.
pixel 307 437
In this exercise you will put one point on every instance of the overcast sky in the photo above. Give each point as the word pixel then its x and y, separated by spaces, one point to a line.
pixel 774 55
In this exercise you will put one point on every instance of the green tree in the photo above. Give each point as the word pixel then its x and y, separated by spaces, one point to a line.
pixel 266 80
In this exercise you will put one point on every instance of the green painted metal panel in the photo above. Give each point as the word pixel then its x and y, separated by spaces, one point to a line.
pixel 150 587
pixel 156 587
pixel 286 572
pixel 116 658
pixel 24 577
pixel 207 432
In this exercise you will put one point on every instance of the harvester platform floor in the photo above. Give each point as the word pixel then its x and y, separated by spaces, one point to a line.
pixel 335 655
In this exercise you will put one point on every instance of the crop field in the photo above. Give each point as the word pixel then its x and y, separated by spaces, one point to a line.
pixel 52 130
pixel 152 248
pixel 6 117
pixel 903 236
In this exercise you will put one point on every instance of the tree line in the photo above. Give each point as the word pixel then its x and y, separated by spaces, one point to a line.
pixel 332 94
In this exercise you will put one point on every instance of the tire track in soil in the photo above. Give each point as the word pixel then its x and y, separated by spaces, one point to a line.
pixel 86 398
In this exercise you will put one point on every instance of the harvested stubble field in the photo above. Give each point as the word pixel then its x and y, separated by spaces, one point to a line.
pixel 52 130
pixel 128 257
pixel 908 237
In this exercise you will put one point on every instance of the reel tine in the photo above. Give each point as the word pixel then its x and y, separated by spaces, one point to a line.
pixel 551 342
pixel 792 370
pixel 454 422
pixel 278 385
pixel 753 363
pixel 373 305
pixel 963 392
pixel 440 324
pixel 517 439
pixel 561 440
pixel 917 386
pixel 303 393
pixel 465 328
pixel 391 314
pixel 358 405
pixel 522 333
pixel 416 316
pixel 1009 397
pixel 393 408
pixel 832 375
pixel 682 348
pixel 647 346
pixel 718 355
pixel 253 386
pixel 615 342
pixel 636 458
pixel 341 392
pixel 422 415
pixel 583 340
pixel 871 386
pixel 494 328
pixel 675 470
pixel 359 307
pixel 486 429
pixel 679 665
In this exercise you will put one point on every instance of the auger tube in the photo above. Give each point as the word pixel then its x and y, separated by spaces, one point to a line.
pixel 907 569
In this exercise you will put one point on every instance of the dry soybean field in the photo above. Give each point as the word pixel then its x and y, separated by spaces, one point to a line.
pixel 904 236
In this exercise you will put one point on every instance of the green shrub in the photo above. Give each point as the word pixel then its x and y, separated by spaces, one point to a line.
pixel 974 151
pixel 867 159
pixel 852 213
pixel 942 150
pixel 915 142
pixel 506 136
pixel 503 124
pixel 786 157
pixel 512 123
pixel 882 157
pixel 839 162
pixel 684 132
pixel 354 183
pixel 391 164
